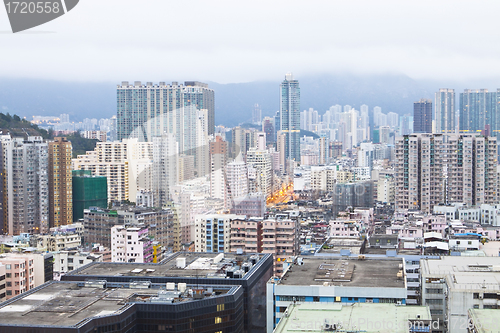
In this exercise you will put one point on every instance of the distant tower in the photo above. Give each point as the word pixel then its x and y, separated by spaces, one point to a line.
pixel 290 116
pixel 444 111
pixel 422 116
pixel 257 114
pixel 60 183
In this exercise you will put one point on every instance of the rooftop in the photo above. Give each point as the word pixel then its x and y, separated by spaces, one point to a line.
pixel 485 320
pixel 71 303
pixel 201 265
pixel 358 317
pixel 465 273
pixel 380 273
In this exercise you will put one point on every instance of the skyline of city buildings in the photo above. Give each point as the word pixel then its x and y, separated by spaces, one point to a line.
pixel 361 217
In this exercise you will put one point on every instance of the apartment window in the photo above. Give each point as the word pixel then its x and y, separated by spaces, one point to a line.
pixel 7 266
pixel 9 292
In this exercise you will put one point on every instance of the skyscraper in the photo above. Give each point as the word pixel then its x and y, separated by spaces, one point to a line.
pixel 478 108
pixel 444 111
pixel 268 128
pixel 290 116
pixel 422 116
pixel 60 183
pixel 256 114
pixel 147 110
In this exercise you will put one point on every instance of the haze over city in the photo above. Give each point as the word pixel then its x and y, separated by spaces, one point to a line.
pixel 228 41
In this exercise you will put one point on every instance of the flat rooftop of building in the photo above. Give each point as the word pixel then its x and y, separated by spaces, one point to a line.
pixel 353 272
pixel 69 303
pixel 451 264
pixel 196 265
pixel 485 320
pixel 334 245
pixel 480 274
pixel 62 304
pixel 358 317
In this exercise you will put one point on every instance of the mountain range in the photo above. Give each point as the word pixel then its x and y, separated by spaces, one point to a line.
pixel 234 102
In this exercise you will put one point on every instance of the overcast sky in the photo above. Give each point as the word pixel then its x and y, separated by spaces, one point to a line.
pixel 239 41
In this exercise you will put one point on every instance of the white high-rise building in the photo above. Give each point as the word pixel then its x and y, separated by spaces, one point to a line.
pixel 237 178
pixel 262 162
pixel 384 132
pixel 444 111
pixel 165 155
pixel 146 110
pixel 393 119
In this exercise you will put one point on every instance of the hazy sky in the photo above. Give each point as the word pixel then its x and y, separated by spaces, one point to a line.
pixel 237 41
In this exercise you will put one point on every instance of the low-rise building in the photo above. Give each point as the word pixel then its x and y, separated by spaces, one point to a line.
pixel 25 271
pixel 194 269
pixel 66 261
pixel 482 321
pixel 358 317
pixel 131 244
pixel 95 306
pixel 335 280
pixel 452 285
pixel 213 232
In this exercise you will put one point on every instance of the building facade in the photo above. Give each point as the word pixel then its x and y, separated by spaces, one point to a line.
pixel 422 116
pixel 60 182
pixel 433 169
pixel 145 110
pixel 25 189
pixel 131 243
pixel 88 191
pixel 444 111
pixel 290 117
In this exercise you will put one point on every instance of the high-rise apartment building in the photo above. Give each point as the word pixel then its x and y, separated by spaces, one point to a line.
pixel 148 110
pixel 433 169
pixel 444 111
pixel 422 116
pixel 25 188
pixel 218 158
pixel 290 117
pixel 479 112
pixel 268 128
pixel 261 161
pixel 3 192
pixel 127 165
pixel 256 114
pixel 60 182
pixel 164 168
pixel 237 179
